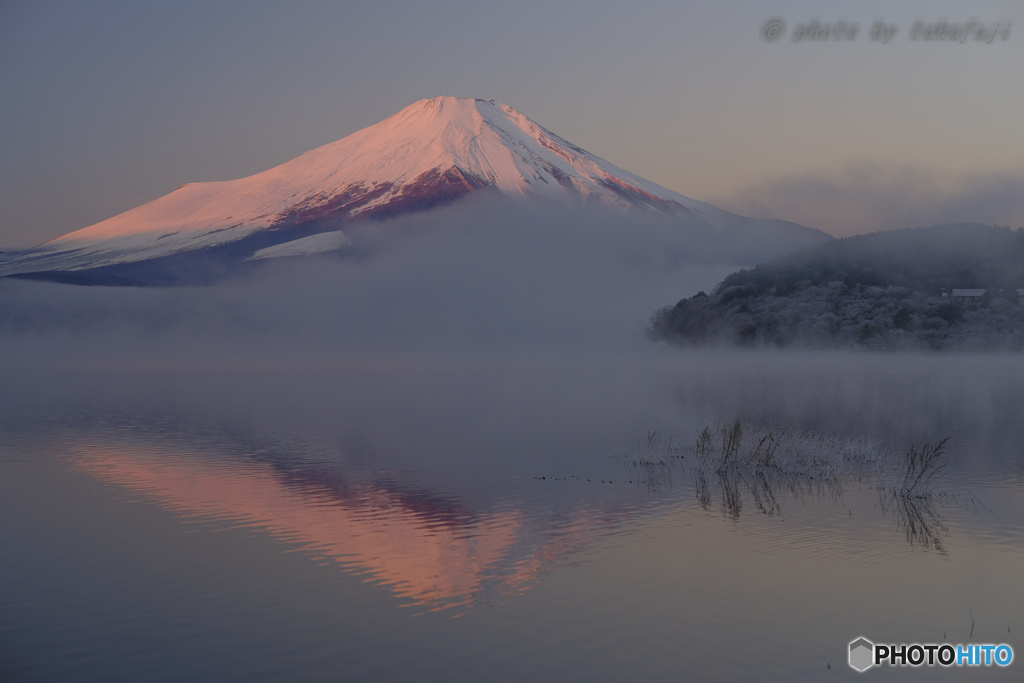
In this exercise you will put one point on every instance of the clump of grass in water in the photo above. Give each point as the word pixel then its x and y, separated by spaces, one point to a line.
pixel 919 467
pixel 793 451
pixel 655 449
pixel 917 516
pixel 790 451
pixel 732 439
pixel 651 460
pixel 764 453
pixel 909 498
pixel 765 461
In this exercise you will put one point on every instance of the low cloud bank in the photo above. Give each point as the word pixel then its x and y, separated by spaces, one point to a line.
pixel 869 197
pixel 460 279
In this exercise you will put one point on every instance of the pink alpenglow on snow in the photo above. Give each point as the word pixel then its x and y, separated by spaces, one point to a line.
pixel 431 153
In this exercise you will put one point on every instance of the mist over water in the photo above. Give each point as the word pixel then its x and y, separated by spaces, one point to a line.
pixel 309 472
pixel 454 279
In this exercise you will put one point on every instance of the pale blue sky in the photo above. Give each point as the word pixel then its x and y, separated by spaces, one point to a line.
pixel 108 104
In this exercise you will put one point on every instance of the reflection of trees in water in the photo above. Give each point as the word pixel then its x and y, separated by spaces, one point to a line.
pixel 736 463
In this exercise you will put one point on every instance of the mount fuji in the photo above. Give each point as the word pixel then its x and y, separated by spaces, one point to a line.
pixel 434 152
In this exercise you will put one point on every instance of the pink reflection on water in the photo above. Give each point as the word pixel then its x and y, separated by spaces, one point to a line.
pixel 425 552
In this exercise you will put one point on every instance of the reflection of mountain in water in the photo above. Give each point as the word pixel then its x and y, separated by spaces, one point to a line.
pixel 440 551
pixel 428 549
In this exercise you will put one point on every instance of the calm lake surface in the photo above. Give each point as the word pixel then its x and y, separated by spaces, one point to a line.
pixel 471 518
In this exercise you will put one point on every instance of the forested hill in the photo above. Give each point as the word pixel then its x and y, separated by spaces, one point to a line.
pixel 883 290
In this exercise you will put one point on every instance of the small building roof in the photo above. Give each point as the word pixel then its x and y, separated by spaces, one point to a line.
pixel 968 292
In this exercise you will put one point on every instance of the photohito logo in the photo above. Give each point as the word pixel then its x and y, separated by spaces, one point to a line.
pixel 864 654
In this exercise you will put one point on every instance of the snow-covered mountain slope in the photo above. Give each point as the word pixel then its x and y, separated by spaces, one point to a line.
pixel 431 153
pixel 305 246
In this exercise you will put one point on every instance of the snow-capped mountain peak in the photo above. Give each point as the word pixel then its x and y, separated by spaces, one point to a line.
pixel 431 153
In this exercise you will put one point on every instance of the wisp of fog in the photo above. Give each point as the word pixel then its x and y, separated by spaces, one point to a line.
pixel 480 276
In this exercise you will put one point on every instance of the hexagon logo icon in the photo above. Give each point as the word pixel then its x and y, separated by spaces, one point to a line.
pixel 862 654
